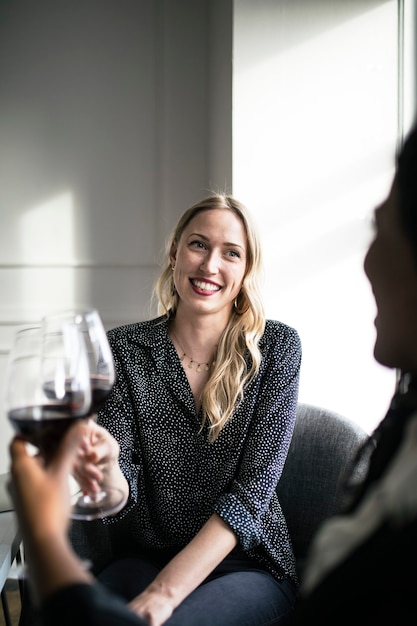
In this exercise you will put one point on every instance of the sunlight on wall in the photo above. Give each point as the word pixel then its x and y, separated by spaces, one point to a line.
pixel 44 258
pixel 314 140
pixel 47 232
pixel 47 240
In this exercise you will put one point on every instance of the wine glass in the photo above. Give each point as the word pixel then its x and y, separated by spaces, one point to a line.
pixel 108 500
pixel 37 414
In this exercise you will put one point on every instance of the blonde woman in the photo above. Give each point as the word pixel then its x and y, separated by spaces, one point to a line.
pixel 203 411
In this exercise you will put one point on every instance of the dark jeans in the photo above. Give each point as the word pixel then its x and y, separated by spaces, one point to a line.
pixel 237 593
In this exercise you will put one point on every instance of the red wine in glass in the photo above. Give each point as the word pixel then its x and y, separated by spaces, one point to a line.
pixel 43 412
pixel 100 390
pixel 42 426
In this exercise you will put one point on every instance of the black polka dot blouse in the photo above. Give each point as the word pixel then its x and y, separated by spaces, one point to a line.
pixel 177 478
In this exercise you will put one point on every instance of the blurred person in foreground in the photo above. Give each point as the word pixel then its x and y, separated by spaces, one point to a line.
pixel 361 568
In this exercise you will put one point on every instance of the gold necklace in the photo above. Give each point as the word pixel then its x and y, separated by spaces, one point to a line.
pixel 190 364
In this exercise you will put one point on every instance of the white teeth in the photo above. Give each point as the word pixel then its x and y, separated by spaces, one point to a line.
pixel 205 286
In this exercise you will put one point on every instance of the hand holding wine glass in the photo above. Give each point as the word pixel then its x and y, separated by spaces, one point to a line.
pixel 108 500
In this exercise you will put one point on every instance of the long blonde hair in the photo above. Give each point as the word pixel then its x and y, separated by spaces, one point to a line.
pixel 230 374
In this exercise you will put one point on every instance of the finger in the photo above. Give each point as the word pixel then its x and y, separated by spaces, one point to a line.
pixel 88 473
pixel 20 456
pixel 103 447
pixel 92 435
pixel 17 447
pixel 22 465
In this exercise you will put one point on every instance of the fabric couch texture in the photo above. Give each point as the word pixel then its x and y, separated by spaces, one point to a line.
pixel 310 490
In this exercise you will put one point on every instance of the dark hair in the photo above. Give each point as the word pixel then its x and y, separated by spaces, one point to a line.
pixel 406 179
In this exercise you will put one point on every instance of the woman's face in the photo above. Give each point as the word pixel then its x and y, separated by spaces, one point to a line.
pixel 210 262
pixel 392 271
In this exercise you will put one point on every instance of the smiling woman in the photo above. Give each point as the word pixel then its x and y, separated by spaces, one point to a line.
pixel 201 392
pixel 209 262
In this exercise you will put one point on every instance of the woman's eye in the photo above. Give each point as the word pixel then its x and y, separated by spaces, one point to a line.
pixel 197 244
pixel 234 253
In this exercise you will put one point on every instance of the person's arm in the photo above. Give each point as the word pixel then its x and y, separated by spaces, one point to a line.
pixel 185 571
pixel 41 497
pixel 65 592
pixel 271 402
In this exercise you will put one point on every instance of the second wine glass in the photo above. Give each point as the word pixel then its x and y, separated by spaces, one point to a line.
pixel 109 500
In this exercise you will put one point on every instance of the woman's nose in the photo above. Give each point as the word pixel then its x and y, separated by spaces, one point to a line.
pixel 210 263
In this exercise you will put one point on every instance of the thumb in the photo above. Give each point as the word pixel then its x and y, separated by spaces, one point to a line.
pixel 69 447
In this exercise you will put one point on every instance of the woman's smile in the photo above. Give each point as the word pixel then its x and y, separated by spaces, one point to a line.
pixel 204 287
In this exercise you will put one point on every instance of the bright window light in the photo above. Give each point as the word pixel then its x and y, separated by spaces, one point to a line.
pixel 315 128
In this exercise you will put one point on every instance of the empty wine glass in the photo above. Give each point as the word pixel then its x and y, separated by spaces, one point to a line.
pixel 108 500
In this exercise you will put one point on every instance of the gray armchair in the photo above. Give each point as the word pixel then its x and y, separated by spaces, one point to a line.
pixel 323 444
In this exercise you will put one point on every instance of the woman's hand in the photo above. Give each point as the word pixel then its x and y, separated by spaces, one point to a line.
pixel 153 605
pixel 182 574
pixel 98 464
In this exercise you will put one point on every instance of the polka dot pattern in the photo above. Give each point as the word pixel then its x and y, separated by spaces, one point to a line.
pixel 177 477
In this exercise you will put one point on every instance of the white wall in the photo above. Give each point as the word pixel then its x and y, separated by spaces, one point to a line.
pixel 115 116
pixel 315 125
